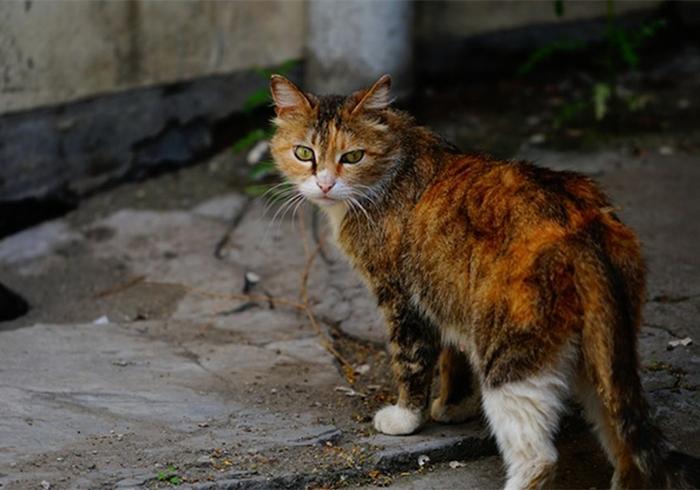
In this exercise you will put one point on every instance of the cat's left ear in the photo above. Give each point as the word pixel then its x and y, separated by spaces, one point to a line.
pixel 287 96
pixel 377 97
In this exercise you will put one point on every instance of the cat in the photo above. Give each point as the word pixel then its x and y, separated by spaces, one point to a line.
pixel 519 282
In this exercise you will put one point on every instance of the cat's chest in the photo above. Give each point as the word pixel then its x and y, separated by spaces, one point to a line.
pixel 373 246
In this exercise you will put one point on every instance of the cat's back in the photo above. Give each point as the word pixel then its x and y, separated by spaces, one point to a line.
pixel 505 233
pixel 487 200
pixel 502 219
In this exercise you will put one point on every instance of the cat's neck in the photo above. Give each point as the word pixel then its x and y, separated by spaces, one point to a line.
pixel 335 213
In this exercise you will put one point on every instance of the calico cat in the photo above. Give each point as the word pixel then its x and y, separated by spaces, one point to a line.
pixel 520 282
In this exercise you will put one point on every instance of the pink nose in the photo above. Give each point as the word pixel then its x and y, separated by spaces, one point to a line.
pixel 325 187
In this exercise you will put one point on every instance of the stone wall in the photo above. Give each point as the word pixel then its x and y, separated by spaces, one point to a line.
pixel 56 52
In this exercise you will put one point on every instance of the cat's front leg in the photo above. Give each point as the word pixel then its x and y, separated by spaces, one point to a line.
pixel 414 348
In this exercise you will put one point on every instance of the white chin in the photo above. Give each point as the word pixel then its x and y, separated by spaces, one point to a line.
pixel 325 201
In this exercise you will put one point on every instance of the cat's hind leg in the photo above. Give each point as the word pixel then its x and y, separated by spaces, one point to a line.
pixel 524 417
pixel 459 397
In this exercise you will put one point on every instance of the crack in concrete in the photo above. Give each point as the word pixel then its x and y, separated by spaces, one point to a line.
pixel 235 222
pixel 672 299
pixel 195 359
pixel 665 329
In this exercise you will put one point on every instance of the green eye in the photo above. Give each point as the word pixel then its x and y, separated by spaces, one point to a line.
pixel 352 156
pixel 304 153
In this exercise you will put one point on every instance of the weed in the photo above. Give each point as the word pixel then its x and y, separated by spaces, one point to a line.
pixel 260 98
pixel 169 475
pixel 619 53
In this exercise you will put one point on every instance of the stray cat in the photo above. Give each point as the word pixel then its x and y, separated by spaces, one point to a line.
pixel 520 282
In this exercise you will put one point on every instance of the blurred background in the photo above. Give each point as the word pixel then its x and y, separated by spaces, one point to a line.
pixel 167 317
pixel 94 93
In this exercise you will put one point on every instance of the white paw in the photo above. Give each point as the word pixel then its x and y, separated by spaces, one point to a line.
pixel 395 420
pixel 454 414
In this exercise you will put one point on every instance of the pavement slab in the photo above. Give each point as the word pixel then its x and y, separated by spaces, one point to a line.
pixel 141 357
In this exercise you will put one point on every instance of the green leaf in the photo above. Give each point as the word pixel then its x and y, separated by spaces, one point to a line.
pixel 559 8
pixel 601 95
pixel 568 112
pixel 626 49
pixel 547 51
pixel 256 189
pixel 249 140
pixel 637 102
pixel 257 99
pixel 262 170
pixel 650 29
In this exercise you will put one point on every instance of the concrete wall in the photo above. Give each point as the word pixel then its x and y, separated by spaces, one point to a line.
pixel 53 52
pixel 58 51
pixel 459 19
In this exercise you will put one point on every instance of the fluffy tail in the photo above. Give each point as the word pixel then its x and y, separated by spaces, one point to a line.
pixel 612 288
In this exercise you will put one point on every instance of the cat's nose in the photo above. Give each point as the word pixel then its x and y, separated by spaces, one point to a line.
pixel 325 186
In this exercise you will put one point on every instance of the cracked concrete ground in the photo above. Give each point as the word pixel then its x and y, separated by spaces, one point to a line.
pixel 140 365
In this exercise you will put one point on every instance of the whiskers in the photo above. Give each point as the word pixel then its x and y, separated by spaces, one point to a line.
pixel 291 199
pixel 358 200
pixel 354 202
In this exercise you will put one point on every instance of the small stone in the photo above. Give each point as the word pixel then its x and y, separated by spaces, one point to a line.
pixel 679 342
pixel 252 277
pixel 533 120
pixel 257 152
pixel 423 460
pixel 204 460
pixel 362 369
pixel 349 391
pixel 103 320
pixel 538 138
pixel 456 464
pixel 666 150
pixel 45 485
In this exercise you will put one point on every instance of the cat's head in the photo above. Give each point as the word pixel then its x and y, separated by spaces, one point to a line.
pixel 333 149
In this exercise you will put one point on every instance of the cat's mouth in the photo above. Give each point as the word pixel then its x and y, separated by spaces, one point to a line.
pixel 325 201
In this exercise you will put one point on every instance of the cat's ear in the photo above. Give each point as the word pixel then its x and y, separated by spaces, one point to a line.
pixel 377 97
pixel 287 96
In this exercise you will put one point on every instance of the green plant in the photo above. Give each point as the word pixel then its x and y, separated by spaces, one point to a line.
pixel 620 52
pixel 259 98
pixel 169 475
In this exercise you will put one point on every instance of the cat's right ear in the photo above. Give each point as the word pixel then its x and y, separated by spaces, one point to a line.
pixel 287 96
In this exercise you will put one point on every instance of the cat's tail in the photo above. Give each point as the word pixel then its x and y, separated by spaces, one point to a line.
pixel 611 284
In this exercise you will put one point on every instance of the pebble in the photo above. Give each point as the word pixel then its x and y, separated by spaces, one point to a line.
pixel 538 138
pixel 679 342
pixel 362 369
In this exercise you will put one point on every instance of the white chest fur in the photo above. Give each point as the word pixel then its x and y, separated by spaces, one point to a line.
pixel 335 214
